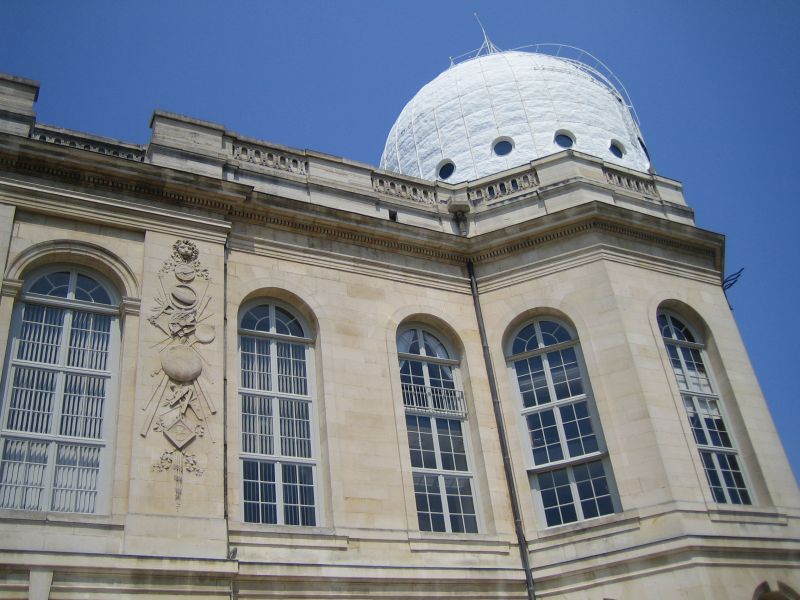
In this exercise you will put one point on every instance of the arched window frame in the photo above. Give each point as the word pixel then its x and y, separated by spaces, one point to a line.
pixel 279 443
pixel 438 433
pixel 705 411
pixel 67 440
pixel 571 475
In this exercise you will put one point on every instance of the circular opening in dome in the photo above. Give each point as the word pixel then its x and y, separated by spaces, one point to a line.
pixel 446 169
pixel 564 139
pixel 616 148
pixel 503 146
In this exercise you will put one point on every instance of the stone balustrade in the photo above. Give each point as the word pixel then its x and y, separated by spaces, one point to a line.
pixel 270 157
pixel 425 194
pixel 629 182
pixel 90 143
pixel 500 188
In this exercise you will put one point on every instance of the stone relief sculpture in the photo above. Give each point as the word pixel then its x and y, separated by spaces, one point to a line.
pixel 180 405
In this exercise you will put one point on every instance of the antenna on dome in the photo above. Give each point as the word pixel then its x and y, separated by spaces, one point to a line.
pixel 487 45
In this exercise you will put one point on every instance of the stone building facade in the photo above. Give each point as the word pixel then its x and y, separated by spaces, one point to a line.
pixel 234 369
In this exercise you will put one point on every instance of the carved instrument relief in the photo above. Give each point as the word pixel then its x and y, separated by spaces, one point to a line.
pixel 180 405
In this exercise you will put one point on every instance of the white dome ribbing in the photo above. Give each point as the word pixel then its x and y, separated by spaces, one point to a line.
pixel 524 97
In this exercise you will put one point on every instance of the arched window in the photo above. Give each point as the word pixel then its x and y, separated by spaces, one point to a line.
pixel 437 433
pixel 568 465
pixel 278 443
pixel 56 396
pixel 704 411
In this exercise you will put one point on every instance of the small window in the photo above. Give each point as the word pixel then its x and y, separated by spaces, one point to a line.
pixel 503 147
pixel 616 148
pixel 446 169
pixel 564 139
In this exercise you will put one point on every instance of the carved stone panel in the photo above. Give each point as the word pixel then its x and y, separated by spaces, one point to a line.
pixel 180 406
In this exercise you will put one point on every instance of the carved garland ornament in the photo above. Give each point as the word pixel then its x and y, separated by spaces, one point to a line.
pixel 180 406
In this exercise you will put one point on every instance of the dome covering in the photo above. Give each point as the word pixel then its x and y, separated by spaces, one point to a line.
pixel 504 109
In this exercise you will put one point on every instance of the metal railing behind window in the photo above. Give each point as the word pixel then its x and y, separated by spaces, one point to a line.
pixel 436 400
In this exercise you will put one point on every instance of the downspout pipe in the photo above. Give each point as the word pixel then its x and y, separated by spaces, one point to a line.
pixel 519 529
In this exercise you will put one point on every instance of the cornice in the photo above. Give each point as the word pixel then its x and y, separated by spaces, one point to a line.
pixel 232 201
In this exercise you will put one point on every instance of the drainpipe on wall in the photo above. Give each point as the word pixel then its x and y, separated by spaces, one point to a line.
pixel 501 432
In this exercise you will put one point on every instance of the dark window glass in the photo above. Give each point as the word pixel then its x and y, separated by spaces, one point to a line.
pixel 564 140
pixel 503 147
pixel 446 170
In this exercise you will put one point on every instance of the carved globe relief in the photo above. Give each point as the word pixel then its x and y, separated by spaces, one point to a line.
pixel 181 364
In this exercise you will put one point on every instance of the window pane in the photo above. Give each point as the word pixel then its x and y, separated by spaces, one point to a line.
pixel 565 373
pixel 76 476
pixel 287 324
pixel 460 505
pixel 90 290
pixel 30 406
pixel 433 347
pixel 557 497
pixel 553 333
pixel 451 445
pixel 593 489
pixel 441 376
pixel 532 381
pixel 733 479
pixel 83 405
pixel 298 495
pixel 292 378
pixel 420 442
pixel 578 429
pixel 545 442
pixel 260 503
pixel 257 436
pixel 22 474
pixel 430 513
pixel 256 365
pixel 257 319
pixel 295 428
pixel 696 370
pixel 407 342
pixel 52 284
pixel 694 421
pixel 88 341
pixel 40 334
pixel 712 474
pixel 525 340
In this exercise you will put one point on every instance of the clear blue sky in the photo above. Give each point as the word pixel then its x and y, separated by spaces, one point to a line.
pixel 716 86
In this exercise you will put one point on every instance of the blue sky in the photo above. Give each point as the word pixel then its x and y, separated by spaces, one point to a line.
pixel 715 84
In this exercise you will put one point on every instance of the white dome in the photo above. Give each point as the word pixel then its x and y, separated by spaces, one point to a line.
pixel 524 98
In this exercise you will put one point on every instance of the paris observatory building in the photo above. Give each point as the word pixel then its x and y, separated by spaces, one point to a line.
pixel 500 365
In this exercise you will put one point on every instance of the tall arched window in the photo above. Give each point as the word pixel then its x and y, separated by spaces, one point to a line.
pixel 704 411
pixel 56 396
pixel 437 433
pixel 568 464
pixel 278 443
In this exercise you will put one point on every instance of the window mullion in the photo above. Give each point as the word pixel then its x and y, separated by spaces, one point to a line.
pixel 721 477
pixel 445 507
pixel 576 499
pixel 279 493
pixel 701 415
pixel 436 447
pixel 48 476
